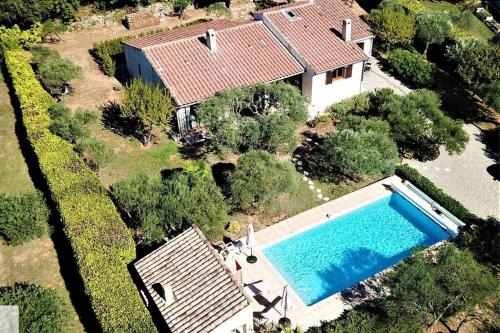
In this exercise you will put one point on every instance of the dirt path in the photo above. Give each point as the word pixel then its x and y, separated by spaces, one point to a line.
pixel 95 88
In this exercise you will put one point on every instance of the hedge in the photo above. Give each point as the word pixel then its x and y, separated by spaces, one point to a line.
pixel 106 52
pixel 102 244
pixel 404 171
pixel 411 67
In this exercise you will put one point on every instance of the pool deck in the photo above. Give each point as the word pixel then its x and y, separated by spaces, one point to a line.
pixel 301 315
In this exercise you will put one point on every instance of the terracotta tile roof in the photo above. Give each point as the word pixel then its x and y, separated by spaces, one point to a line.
pixel 205 292
pixel 179 33
pixel 246 54
pixel 315 33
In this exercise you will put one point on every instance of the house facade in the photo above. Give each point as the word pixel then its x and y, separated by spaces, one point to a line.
pixel 320 46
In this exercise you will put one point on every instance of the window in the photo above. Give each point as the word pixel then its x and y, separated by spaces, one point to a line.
pixel 338 73
pixel 361 45
pixel 291 15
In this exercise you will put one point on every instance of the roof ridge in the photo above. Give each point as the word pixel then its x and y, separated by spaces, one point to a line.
pixel 238 25
pixel 296 4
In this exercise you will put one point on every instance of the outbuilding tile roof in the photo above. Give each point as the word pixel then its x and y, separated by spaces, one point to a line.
pixel 315 32
pixel 247 53
pixel 206 293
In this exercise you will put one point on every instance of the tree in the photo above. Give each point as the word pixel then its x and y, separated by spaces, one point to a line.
pixel 180 6
pixel 263 116
pixel 433 27
pixel 156 207
pixel 258 179
pixel 393 27
pixel 149 104
pixel 359 153
pixel 55 74
pixel 418 123
pixel 23 217
pixel 26 12
pixel 434 287
pixel 41 310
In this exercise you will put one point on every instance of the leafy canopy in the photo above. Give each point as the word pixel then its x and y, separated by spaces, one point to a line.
pixel 258 179
pixel 14 38
pixel 41 310
pixel 392 25
pixel 55 74
pixel 411 67
pixel 433 26
pixel 23 217
pixel 263 116
pixel 157 207
pixel 149 104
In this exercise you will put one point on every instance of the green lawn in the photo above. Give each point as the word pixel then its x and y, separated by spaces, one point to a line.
pixel 477 28
pixel 14 177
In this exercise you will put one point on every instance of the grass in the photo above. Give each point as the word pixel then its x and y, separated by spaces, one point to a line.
pixel 477 29
pixel 14 177
pixel 36 262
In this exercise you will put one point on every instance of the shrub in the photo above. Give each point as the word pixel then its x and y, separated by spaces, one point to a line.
pixel 411 67
pixel 55 74
pixel 258 179
pixel 23 217
pixel 95 153
pixel 263 116
pixel 99 239
pixel 41 310
pixel 456 208
pixel 157 208
pixel 233 227
pixel 14 38
pixel 41 54
pixel 392 26
pixel 358 104
pixel 360 153
pixel 64 125
pixel 218 9
pixel 149 105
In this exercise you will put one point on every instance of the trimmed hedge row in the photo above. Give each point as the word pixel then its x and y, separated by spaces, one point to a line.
pixel 101 242
pixel 453 206
pixel 106 52
pixel 411 67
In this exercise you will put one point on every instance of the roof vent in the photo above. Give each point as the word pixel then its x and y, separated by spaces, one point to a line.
pixel 346 30
pixel 165 291
pixel 211 40
pixel 291 15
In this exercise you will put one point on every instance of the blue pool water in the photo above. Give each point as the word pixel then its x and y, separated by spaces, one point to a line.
pixel 352 247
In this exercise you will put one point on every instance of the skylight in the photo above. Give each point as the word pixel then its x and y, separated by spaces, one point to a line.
pixel 291 15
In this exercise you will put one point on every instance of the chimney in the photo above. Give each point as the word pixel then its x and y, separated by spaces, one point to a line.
pixel 167 293
pixel 211 40
pixel 346 30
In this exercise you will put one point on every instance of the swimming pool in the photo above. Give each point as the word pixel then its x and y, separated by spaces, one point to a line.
pixel 339 253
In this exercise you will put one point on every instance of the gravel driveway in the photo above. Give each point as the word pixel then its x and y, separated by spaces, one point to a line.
pixel 465 177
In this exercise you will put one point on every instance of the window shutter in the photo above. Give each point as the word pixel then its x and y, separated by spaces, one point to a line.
pixel 329 77
pixel 348 72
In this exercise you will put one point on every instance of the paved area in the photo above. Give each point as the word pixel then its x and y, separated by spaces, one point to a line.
pixel 376 78
pixel 465 177
pixel 272 282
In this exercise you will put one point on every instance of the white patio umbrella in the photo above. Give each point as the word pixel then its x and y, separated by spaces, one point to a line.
pixel 250 242
pixel 286 305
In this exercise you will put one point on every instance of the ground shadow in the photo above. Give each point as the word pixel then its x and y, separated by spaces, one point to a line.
pixel 113 120
pixel 67 264
pixel 198 150
pixel 221 173
pixel 491 139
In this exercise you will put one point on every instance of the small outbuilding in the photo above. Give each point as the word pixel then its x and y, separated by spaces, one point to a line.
pixel 192 288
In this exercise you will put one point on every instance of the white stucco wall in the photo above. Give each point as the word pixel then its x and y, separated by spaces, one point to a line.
pixel 367 45
pixel 243 317
pixel 323 95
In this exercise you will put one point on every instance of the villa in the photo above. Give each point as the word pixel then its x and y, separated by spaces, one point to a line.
pixel 320 46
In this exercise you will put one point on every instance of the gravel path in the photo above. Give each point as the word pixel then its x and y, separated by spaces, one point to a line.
pixel 465 177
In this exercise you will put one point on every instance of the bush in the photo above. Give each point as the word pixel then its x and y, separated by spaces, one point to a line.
pixel 263 116
pixel 360 153
pixel 41 310
pixel 411 67
pixel 258 179
pixel 99 239
pixel 358 104
pixel 158 208
pixel 23 217
pixel 218 9
pixel 55 74
pixel 456 208
pixel 95 153
pixel 67 127
pixel 41 54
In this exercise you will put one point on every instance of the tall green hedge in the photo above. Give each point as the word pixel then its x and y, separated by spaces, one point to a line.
pixel 453 206
pixel 102 244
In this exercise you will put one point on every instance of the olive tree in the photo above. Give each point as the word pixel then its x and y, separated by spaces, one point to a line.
pixel 258 179
pixel 433 27
pixel 149 104
pixel 392 26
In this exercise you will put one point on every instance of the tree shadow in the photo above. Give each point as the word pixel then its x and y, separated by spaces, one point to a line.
pixel 113 120
pixel 311 157
pixel 198 150
pixel 221 173
pixel 491 140
pixel 363 265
